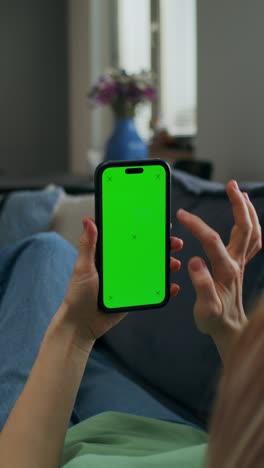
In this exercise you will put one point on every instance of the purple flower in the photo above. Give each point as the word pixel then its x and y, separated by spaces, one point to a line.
pixel 134 92
pixel 116 85
pixel 106 92
pixel 150 93
pixel 120 89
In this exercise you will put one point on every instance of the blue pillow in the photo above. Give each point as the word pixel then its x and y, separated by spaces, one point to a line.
pixel 25 213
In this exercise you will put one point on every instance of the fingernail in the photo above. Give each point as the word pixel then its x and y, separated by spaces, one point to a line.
pixel 93 221
pixel 246 196
pixel 84 224
pixel 235 185
pixel 197 264
pixel 183 214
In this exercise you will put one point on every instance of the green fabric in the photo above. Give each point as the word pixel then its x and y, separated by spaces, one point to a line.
pixel 113 440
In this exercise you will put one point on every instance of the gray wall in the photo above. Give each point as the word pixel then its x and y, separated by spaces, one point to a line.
pixel 91 36
pixel 231 87
pixel 33 87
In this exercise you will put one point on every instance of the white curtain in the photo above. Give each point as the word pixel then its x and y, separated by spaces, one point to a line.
pixel 178 65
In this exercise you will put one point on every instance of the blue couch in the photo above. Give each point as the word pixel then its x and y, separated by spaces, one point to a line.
pixel 160 349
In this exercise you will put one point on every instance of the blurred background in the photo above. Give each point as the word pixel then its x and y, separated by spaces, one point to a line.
pixel 209 67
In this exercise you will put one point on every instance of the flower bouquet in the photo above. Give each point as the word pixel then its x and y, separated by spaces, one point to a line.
pixel 123 91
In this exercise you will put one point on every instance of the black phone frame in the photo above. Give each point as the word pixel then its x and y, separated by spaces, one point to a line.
pixel 98 220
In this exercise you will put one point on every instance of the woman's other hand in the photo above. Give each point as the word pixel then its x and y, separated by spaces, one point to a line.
pixel 218 309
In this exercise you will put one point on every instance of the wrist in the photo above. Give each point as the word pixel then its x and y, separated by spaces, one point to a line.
pixel 63 322
pixel 224 335
pixel 223 344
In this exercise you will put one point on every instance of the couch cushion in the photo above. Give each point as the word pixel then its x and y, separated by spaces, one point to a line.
pixel 28 212
pixel 162 346
pixel 66 218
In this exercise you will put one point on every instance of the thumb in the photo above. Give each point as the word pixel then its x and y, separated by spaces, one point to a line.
pixel 87 246
pixel 207 300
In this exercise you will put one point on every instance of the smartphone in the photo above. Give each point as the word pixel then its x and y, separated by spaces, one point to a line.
pixel 132 214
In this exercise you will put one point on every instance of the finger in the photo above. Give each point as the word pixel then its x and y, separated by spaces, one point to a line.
pixel 175 264
pixel 208 304
pixel 211 243
pixel 174 289
pixel 202 281
pixel 85 261
pixel 255 243
pixel 241 232
pixel 175 244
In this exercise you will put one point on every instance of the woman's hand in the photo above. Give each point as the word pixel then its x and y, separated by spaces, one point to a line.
pixel 80 303
pixel 218 309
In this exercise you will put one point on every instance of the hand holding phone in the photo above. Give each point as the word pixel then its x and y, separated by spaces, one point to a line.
pixel 80 307
pixel 132 206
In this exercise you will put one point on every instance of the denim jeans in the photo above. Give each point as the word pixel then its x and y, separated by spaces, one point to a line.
pixel 34 275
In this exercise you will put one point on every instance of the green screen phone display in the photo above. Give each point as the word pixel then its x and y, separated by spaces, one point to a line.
pixel 133 236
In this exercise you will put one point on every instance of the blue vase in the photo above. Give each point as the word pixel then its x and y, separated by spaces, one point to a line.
pixel 125 142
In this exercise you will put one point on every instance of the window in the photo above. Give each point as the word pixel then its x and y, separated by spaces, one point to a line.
pixel 161 35
pixel 134 47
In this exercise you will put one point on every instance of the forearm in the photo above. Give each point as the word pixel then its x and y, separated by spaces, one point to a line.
pixel 224 341
pixel 34 433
